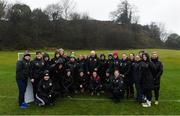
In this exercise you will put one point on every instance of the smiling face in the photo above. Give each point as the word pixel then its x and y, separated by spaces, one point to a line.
pixel 144 57
pixel 124 56
pixel 131 57
pixel 115 56
pixel 116 73
pixel 27 58
pixel 137 58
pixel 39 56
pixel 72 59
pixel 81 74
pixel 93 53
pixel 94 74
pixel 46 78
pixel 69 73
pixel 107 74
pixel 154 56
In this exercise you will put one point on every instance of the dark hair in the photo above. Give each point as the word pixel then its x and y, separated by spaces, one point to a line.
pixel 38 52
pixel 147 55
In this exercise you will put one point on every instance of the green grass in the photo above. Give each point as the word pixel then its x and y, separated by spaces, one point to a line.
pixel 170 90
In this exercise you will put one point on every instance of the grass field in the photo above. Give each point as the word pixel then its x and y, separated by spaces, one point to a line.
pixel 169 97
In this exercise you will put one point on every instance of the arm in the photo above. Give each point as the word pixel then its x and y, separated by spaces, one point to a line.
pixel 19 69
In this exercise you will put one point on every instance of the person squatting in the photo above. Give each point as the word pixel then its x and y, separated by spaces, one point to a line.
pixel 64 76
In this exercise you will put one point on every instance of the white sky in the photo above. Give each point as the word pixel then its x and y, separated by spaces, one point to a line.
pixel 164 11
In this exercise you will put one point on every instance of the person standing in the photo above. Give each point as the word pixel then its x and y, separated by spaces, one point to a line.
pixel 37 70
pixel 22 75
pixel 156 75
pixel 147 81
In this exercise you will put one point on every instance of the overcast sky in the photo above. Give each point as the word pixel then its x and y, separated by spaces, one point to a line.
pixel 164 11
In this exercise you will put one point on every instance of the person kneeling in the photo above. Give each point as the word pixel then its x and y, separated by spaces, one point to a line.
pixel 45 94
pixel 117 86
pixel 95 84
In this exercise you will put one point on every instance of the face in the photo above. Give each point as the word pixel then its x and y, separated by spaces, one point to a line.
pixel 60 66
pixel 46 58
pixel 94 74
pixel 68 73
pixel 61 52
pixel 72 59
pixel 80 57
pixel 93 54
pixel 46 78
pixel 116 73
pixel 85 56
pixel 110 57
pixel 154 56
pixel 124 56
pixel 144 57
pixel 81 74
pixel 102 57
pixel 107 74
pixel 27 57
pixel 131 56
pixel 137 58
pixel 39 56
pixel 115 56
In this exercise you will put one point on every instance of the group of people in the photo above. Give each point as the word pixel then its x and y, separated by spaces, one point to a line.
pixel 66 75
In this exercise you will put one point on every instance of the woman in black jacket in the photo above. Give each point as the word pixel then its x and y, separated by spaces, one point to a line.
pixel 135 73
pixel 156 75
pixel 147 82
pixel 22 75
pixel 117 86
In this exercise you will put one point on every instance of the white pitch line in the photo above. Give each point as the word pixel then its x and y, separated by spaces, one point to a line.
pixel 93 99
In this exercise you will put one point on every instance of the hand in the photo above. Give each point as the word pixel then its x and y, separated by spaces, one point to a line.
pixel 32 80
pixel 49 95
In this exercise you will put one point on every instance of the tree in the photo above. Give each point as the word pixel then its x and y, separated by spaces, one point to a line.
pixel 39 15
pixel 163 32
pixel 2 8
pixel 19 12
pixel 124 13
pixel 54 11
pixel 68 7
pixel 75 16
pixel 173 41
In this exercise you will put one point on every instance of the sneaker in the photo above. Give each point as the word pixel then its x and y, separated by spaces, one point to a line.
pixel 149 103
pixel 25 104
pixel 145 105
pixel 156 103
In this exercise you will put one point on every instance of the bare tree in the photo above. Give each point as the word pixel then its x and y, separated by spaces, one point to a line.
pixel 2 8
pixel 54 11
pixel 68 7
pixel 75 16
pixel 63 9
pixel 163 32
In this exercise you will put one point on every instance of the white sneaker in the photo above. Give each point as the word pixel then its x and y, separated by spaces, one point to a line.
pixel 145 105
pixel 149 103
pixel 156 103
